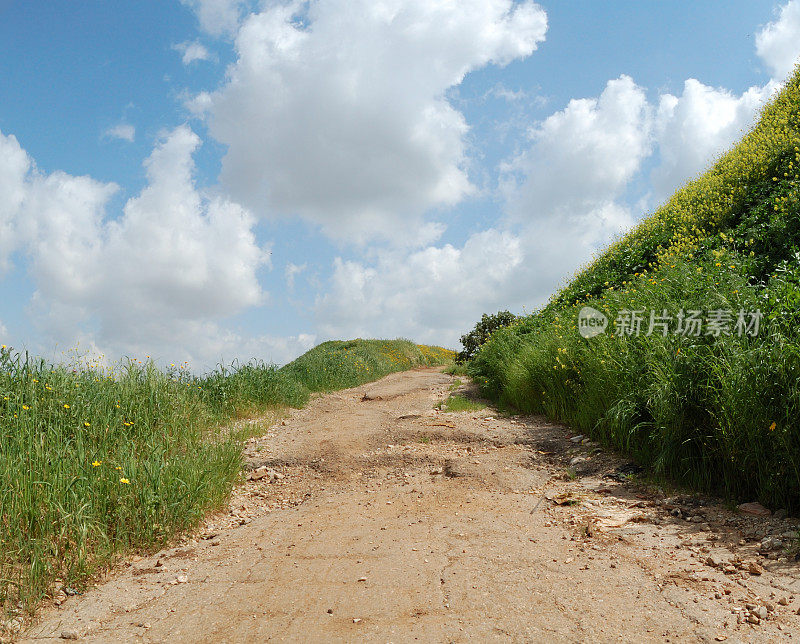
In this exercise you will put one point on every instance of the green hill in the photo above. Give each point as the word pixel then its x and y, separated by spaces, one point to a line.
pixel 718 409
pixel 338 364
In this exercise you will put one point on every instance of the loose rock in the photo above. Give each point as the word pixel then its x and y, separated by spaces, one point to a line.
pixel 754 509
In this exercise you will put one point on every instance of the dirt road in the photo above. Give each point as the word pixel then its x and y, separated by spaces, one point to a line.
pixel 395 522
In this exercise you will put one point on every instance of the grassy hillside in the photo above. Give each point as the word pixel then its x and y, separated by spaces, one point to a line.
pixel 339 364
pixel 95 463
pixel 719 409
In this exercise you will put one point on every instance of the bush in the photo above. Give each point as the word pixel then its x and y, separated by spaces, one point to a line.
pixel 476 338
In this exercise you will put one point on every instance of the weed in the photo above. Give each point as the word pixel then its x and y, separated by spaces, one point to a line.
pixel 459 403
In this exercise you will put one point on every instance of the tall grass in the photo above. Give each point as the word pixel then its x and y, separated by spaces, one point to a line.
pixel 717 412
pixel 342 364
pixel 95 463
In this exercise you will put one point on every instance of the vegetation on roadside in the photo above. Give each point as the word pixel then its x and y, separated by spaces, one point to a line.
pixel 98 462
pixel 341 364
pixel 715 403
pixel 460 403
pixel 476 338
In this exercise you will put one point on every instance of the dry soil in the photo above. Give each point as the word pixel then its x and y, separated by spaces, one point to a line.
pixel 396 522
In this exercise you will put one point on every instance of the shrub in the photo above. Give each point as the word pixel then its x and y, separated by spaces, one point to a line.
pixel 473 340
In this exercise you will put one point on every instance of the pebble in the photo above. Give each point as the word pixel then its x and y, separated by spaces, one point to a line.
pixel 577 439
pixel 754 509
pixel 754 569
pixel 70 634
pixel 182 579
pixel 771 543
pixel 258 474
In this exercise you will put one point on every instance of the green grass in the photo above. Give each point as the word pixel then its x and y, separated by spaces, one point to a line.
pixel 342 364
pixel 459 403
pixel 97 463
pixel 717 413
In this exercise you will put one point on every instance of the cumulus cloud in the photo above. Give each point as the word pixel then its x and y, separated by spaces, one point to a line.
pixel 160 276
pixel 778 43
pixel 427 294
pixel 355 133
pixel 14 167
pixel 192 52
pixel 123 132
pixel 579 162
pixel 694 128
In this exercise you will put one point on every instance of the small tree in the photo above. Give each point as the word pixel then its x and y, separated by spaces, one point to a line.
pixel 473 340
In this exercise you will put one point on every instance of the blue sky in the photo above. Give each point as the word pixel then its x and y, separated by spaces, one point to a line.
pixel 206 180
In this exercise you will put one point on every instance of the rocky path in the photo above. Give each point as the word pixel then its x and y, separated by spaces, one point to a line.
pixel 371 516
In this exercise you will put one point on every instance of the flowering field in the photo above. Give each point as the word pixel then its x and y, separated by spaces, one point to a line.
pixel 95 463
pixel 681 342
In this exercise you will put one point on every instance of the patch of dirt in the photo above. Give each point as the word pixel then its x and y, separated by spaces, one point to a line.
pixel 380 518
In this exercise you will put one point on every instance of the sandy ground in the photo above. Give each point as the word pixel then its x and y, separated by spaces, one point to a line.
pixel 395 522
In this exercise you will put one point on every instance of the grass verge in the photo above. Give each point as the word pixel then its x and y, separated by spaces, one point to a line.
pixel 97 463
pixel 458 403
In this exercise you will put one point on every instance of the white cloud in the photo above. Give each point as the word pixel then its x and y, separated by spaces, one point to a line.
pixel 579 163
pixel 14 167
pixel 292 271
pixel 123 132
pixel 693 129
pixel 778 43
pixel 355 133
pixel 4 334
pixel 427 294
pixel 218 17
pixel 222 346
pixel 159 278
pixel 192 52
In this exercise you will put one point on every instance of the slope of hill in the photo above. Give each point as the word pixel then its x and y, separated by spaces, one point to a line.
pixel 697 372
